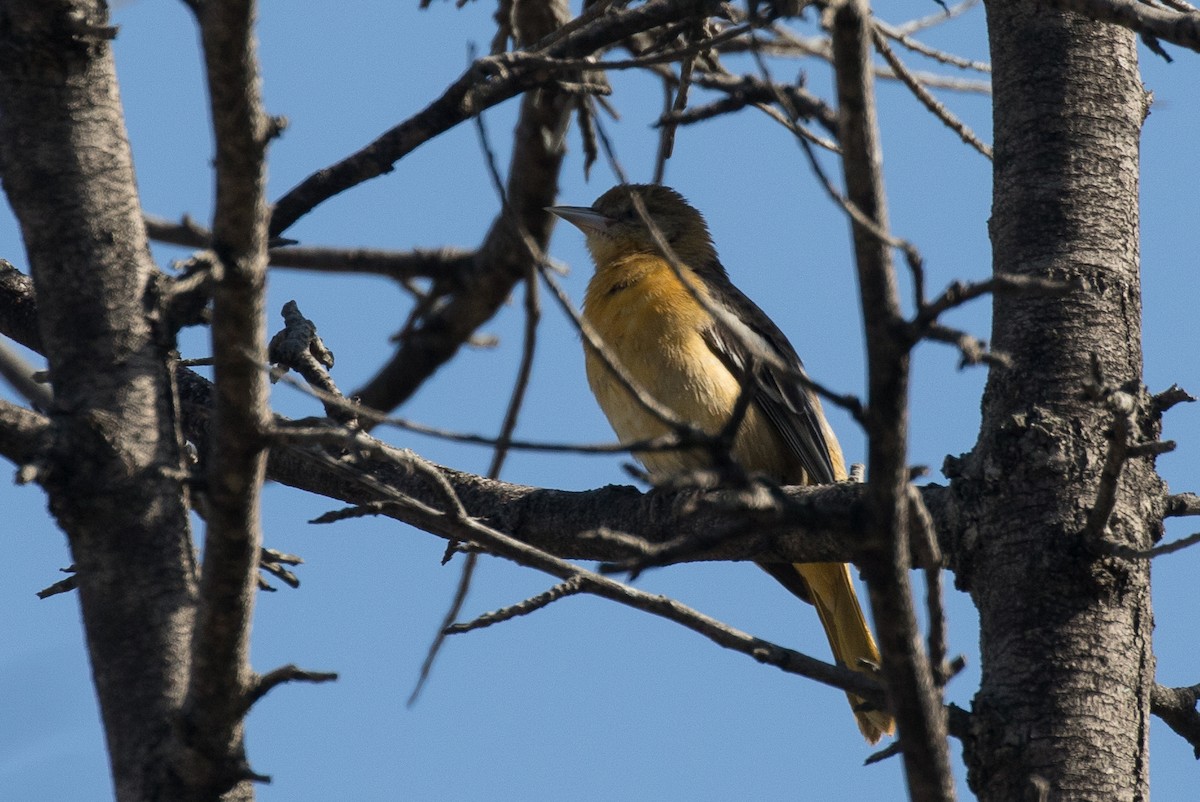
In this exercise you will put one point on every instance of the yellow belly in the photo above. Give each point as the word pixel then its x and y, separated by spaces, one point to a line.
pixel 653 327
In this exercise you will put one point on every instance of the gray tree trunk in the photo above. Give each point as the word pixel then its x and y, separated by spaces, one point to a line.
pixel 114 471
pixel 1063 707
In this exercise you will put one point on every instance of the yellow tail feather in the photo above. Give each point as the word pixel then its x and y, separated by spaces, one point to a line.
pixel 849 636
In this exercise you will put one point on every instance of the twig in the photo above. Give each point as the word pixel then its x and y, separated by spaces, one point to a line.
pixel 61 586
pixel 1168 398
pixel 973 350
pixel 299 434
pixel 24 439
pixel 758 505
pixel 532 317
pixel 533 310
pixel 503 258
pixel 666 134
pixel 265 683
pixel 931 20
pixel 273 562
pixel 1157 551
pixel 941 56
pixel 1180 5
pixel 959 293
pixel 571 587
pixel 928 100
pixel 910 251
pixel 800 103
pixel 456 605
pixel 594 341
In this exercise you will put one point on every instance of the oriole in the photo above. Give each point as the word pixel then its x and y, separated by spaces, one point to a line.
pixel 674 349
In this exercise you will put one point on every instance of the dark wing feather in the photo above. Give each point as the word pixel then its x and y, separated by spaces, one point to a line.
pixel 785 402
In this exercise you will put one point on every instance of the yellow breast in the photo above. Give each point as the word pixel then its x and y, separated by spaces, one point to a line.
pixel 653 326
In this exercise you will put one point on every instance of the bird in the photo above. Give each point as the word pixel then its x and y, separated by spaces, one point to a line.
pixel 690 347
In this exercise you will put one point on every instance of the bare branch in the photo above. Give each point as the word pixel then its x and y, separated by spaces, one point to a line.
pixel 1180 28
pixel 265 683
pixel 973 350
pixel 924 23
pixel 750 89
pixel 928 100
pixel 914 696
pixel 1170 397
pixel 1157 551
pixel 18 312
pixel 504 258
pixel 1177 708
pixel 62 586
pixel 273 562
pixel 214 703
pixel 489 81
pixel 463 528
pixel 532 318
pixel 941 56
pixel 562 590
pixel 1182 504
pixel 442 264
pixel 456 605
pixel 20 375
pixel 23 433
pixel 959 293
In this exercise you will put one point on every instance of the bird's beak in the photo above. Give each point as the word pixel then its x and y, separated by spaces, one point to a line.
pixel 586 219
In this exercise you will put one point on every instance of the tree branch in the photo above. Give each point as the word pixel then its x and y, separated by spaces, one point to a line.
pixel 114 462
pixel 20 376
pixel 505 256
pixel 220 670
pixel 24 434
pixel 442 264
pixel 1182 29
pixel 913 696
pixel 453 524
pixel 18 310
pixel 488 81
pixel 1177 708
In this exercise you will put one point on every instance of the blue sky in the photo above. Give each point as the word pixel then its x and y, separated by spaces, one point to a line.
pixel 585 699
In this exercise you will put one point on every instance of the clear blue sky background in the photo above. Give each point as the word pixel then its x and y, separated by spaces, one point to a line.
pixel 585 700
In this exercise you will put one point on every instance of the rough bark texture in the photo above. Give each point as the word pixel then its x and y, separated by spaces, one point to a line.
pixel 1063 706
pixel 113 470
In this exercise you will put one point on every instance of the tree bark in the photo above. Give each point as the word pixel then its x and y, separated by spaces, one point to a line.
pixel 1063 707
pixel 113 472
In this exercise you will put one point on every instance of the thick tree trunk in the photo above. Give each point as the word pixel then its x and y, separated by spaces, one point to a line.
pixel 1063 706
pixel 113 473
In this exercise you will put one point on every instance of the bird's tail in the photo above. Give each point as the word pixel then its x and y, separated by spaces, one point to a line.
pixel 849 636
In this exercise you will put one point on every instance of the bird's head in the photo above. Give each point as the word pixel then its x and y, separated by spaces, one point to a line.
pixel 615 228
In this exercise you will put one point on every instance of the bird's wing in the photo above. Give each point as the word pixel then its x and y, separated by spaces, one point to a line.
pixel 786 403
